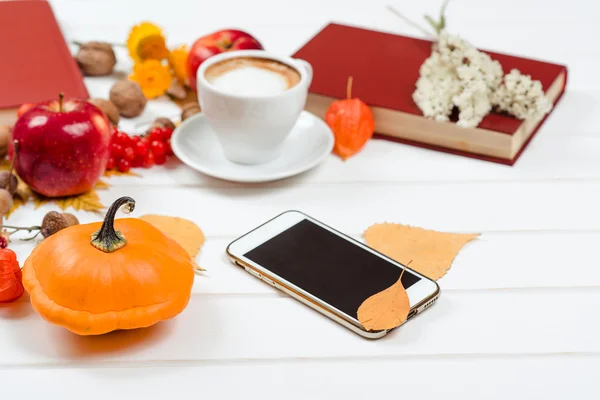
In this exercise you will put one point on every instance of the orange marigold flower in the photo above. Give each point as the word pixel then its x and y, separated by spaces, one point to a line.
pixel 146 41
pixel 178 60
pixel 153 77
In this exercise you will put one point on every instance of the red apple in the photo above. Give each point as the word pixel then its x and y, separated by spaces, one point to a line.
pixel 63 147
pixel 24 108
pixel 216 43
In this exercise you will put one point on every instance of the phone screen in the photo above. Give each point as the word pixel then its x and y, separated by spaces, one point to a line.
pixel 328 266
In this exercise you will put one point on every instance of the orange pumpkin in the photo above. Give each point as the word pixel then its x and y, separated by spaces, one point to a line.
pixel 130 275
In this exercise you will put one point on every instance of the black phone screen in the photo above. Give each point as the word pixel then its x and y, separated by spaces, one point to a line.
pixel 328 266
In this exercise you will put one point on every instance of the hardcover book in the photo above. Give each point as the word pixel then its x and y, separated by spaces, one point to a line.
pixel 36 62
pixel 385 69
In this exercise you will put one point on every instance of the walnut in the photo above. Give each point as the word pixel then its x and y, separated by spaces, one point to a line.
pixel 111 111
pixel 188 110
pixel 128 97
pixel 162 122
pixel 5 134
pixel 96 58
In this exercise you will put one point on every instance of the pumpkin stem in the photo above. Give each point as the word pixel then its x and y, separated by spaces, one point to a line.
pixel 107 239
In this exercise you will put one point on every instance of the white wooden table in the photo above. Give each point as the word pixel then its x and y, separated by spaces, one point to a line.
pixel 519 313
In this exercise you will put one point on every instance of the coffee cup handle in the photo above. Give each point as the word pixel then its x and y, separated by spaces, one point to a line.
pixel 307 67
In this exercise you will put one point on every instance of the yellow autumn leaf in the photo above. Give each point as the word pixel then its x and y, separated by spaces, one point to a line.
pixel 101 185
pixel 89 201
pixel 387 309
pixel 185 232
pixel 5 164
pixel 432 252
pixel 114 172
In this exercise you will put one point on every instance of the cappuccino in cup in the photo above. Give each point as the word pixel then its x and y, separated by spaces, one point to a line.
pixel 250 76
pixel 252 100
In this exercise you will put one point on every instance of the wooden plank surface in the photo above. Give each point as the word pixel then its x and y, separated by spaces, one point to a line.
pixel 516 317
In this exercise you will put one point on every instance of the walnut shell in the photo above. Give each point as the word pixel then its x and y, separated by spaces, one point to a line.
pixel 111 111
pixel 96 58
pixel 128 97
pixel 188 110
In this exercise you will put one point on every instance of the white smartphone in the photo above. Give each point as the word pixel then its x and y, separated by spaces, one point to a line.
pixel 325 269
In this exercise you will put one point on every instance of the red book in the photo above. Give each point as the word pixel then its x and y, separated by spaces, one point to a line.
pixel 385 68
pixel 36 62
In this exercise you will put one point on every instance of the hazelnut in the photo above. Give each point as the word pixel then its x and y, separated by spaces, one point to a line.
pixel 162 122
pixel 108 108
pixel 6 201
pixel 5 134
pixel 128 97
pixel 96 58
pixel 188 110
pixel 54 221
pixel 176 90
pixel 8 181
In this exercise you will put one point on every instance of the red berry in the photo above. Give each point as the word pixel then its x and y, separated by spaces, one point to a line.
pixel 142 148
pixel 149 160
pixel 116 150
pixel 129 154
pixel 154 134
pixel 114 130
pixel 160 158
pixel 167 134
pixel 111 164
pixel 135 139
pixel 123 165
pixel 137 162
pixel 168 147
pixel 3 242
pixel 123 139
pixel 158 147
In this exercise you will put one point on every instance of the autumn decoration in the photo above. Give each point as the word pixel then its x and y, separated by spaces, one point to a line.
pixel 431 252
pixel 11 286
pixel 117 274
pixel 387 309
pixel 428 252
pixel 352 124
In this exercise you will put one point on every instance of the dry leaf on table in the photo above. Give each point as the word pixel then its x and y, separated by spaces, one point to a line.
pixel 101 185
pixel 432 252
pixel 185 232
pixel 89 201
pixel 387 309
pixel 115 172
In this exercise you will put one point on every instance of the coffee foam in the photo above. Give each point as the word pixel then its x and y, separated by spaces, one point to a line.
pixel 252 76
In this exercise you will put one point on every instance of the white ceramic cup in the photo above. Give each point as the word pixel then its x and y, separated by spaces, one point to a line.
pixel 252 129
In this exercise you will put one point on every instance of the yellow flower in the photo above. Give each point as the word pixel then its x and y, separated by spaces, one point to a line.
pixel 146 41
pixel 153 77
pixel 178 61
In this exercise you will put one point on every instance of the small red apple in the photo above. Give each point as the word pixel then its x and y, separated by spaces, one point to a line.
pixel 63 147
pixel 216 43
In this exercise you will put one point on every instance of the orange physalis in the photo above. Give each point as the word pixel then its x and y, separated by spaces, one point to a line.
pixel 11 285
pixel 352 124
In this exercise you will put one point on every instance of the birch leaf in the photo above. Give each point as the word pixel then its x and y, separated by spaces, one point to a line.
pixel 431 252
pixel 185 232
pixel 387 309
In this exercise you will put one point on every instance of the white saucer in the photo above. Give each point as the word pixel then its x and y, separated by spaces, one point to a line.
pixel 195 143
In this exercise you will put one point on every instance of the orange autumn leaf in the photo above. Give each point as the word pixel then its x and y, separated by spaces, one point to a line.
pixel 432 252
pixel 352 124
pixel 185 232
pixel 387 309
